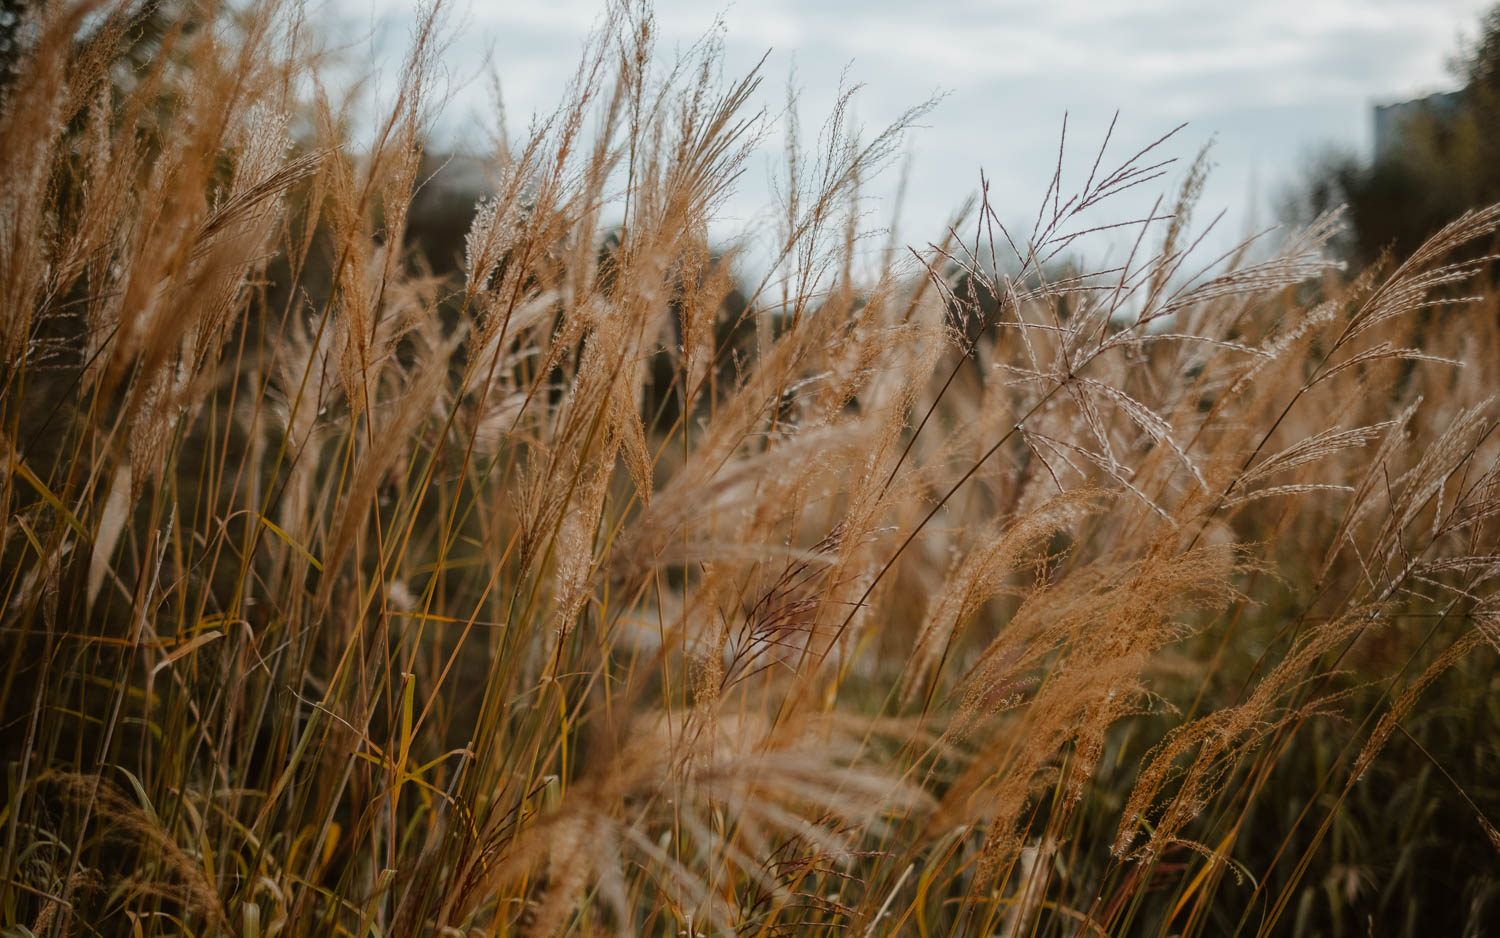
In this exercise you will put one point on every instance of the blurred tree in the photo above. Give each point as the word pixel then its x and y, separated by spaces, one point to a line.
pixel 1434 159
pixel 12 13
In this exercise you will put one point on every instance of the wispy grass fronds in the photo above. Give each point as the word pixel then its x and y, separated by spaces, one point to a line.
pixel 571 585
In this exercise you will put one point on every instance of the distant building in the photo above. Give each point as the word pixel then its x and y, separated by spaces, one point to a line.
pixel 1391 120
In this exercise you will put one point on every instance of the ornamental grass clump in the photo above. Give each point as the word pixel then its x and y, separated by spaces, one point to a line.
pixel 576 584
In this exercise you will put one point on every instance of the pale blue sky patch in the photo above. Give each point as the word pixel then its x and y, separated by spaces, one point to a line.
pixel 1271 81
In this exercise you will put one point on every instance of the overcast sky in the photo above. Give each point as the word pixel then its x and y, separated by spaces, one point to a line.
pixel 1270 81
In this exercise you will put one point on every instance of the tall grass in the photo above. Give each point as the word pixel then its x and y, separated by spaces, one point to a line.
pixel 590 591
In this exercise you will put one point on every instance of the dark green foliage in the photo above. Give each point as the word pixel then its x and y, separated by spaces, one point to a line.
pixel 1443 159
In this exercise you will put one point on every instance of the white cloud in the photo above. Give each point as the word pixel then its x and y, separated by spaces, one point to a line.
pixel 1273 79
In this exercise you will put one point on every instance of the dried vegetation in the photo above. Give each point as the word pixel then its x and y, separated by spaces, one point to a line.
pixel 589 592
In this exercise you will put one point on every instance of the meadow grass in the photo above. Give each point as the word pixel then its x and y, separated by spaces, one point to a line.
pixel 592 591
